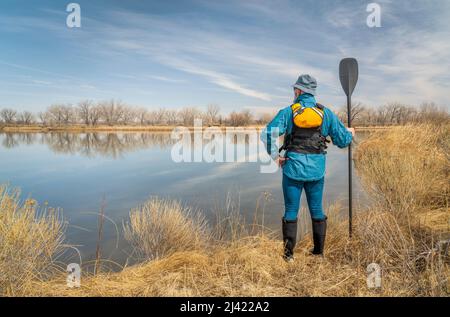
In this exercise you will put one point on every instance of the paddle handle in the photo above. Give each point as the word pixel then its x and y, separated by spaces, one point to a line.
pixel 350 191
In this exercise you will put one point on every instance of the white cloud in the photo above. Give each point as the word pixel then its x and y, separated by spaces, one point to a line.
pixel 401 62
pixel 166 79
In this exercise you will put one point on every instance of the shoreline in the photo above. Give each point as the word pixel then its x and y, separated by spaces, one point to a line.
pixel 87 129
pixel 152 128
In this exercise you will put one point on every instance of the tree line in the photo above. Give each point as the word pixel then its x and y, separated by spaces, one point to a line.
pixel 114 113
pixel 394 114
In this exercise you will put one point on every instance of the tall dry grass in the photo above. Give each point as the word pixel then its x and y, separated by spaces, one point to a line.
pixel 31 238
pixel 161 227
pixel 406 172
pixel 406 168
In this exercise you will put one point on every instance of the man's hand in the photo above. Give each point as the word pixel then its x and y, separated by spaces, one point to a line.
pixel 282 160
pixel 352 131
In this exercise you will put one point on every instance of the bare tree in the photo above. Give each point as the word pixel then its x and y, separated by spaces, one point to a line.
pixel 142 115
pixel 44 118
pixel 368 117
pixel 61 114
pixel 8 115
pixel 212 114
pixel 68 114
pixel 393 110
pixel 112 111
pixel 382 115
pixel 356 111
pixel 265 118
pixel 89 113
pixel 84 111
pixel 54 114
pixel 26 117
pixel 130 115
pixel 237 119
pixel 405 114
pixel 172 117
pixel 430 112
pixel 95 114
pixel 160 116
pixel 188 115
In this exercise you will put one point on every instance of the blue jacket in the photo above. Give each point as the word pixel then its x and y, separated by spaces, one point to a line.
pixel 304 167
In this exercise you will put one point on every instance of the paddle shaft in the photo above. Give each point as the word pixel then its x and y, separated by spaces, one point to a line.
pixel 350 211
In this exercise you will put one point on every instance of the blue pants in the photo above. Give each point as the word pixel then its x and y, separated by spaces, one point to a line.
pixel 292 190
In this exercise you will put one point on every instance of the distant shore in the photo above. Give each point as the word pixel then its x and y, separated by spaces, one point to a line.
pixel 129 128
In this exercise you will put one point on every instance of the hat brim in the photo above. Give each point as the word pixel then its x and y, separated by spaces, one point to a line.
pixel 305 89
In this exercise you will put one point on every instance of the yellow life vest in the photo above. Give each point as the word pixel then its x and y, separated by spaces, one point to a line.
pixel 306 135
pixel 304 117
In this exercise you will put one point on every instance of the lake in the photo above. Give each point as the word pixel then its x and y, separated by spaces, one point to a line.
pixel 80 172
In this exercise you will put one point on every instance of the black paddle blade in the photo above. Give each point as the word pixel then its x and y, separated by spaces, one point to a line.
pixel 348 74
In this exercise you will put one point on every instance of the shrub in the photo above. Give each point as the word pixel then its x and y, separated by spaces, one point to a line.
pixel 161 227
pixel 30 241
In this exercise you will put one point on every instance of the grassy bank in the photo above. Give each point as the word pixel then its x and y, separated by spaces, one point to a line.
pixel 406 172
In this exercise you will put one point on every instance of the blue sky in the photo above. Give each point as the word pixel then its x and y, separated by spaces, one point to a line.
pixel 236 54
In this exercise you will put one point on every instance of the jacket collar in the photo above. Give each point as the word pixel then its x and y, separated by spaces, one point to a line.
pixel 306 100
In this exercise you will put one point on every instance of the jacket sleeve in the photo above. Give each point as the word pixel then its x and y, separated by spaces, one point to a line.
pixel 273 131
pixel 339 134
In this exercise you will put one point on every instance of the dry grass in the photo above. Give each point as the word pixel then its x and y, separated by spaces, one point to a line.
pixel 30 242
pixel 406 168
pixel 253 266
pixel 406 171
pixel 437 220
pixel 159 228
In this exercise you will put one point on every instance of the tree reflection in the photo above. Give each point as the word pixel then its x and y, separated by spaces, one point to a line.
pixel 106 144
pixel 111 145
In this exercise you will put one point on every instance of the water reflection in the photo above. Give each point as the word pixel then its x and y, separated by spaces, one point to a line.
pixel 112 145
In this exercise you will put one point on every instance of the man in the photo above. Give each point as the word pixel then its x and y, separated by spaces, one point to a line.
pixel 305 124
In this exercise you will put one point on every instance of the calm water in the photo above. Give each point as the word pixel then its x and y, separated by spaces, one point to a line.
pixel 77 171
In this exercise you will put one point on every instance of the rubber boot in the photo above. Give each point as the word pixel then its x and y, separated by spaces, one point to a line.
pixel 319 233
pixel 289 238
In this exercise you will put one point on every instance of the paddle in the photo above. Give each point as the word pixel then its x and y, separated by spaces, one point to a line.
pixel 348 74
